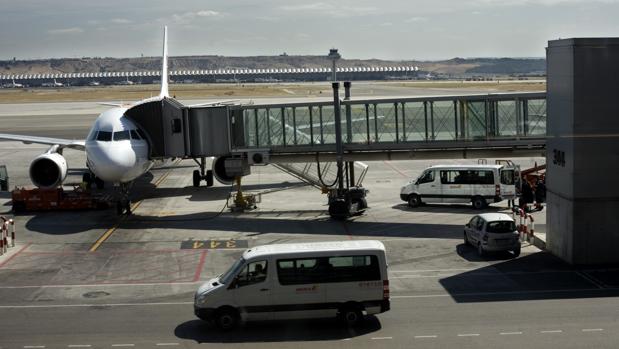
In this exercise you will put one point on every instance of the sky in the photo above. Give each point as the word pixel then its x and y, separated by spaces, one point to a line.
pixel 383 29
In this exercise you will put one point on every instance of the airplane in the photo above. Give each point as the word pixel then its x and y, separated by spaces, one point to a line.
pixel 13 84
pixel 117 151
pixel 126 82
pixel 52 84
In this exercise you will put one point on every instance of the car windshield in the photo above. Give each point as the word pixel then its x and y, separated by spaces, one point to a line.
pixel 227 277
pixel 501 227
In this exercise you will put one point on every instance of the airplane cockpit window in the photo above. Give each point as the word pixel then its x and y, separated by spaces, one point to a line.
pixel 104 136
pixel 135 135
pixel 121 135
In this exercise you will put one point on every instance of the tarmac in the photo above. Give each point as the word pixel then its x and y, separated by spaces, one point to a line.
pixel 94 279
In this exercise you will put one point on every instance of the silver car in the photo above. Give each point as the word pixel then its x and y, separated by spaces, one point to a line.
pixel 492 232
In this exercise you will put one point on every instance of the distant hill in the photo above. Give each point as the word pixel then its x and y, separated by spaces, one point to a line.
pixel 455 67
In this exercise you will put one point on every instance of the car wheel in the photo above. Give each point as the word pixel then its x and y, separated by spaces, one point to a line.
pixel 414 200
pixel 480 250
pixel 466 240
pixel 351 315
pixel 516 252
pixel 226 319
pixel 479 202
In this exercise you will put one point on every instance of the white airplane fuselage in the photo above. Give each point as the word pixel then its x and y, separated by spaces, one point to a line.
pixel 115 151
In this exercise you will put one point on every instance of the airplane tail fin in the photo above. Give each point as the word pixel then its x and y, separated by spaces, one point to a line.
pixel 164 65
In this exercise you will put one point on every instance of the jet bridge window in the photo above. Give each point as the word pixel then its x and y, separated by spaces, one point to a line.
pixel 121 135
pixel 104 136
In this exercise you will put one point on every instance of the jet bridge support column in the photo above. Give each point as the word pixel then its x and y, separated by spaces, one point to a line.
pixel 343 202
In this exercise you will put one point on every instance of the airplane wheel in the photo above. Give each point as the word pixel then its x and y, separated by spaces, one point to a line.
pixel 196 178
pixel 119 208
pixel 209 178
pixel 128 207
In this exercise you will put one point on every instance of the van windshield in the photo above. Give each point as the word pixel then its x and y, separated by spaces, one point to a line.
pixel 227 277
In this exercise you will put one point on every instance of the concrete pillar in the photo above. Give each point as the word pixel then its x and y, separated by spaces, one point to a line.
pixel 583 150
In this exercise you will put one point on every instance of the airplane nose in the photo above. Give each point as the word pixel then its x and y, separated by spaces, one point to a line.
pixel 113 163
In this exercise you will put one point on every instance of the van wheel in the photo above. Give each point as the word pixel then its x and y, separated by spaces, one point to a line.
pixel 351 315
pixel 227 319
pixel 466 240
pixel 414 200
pixel 478 202
pixel 480 250
pixel 516 252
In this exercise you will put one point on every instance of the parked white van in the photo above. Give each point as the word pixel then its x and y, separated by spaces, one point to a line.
pixel 304 280
pixel 477 184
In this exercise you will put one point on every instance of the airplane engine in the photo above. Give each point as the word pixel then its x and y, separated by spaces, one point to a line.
pixel 219 170
pixel 48 170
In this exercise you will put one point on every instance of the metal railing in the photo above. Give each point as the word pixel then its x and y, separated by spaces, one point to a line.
pixel 384 124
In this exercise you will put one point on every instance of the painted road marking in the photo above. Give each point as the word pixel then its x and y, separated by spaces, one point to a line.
pixel 379 338
pixel 429 336
pixel 509 333
pixel 592 329
pixel 103 284
pixel 468 334
pixel 213 244
pixel 89 305
pixel 134 207
pixel 33 346
pixel 551 331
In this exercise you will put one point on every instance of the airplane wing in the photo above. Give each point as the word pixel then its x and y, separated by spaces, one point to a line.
pixel 63 143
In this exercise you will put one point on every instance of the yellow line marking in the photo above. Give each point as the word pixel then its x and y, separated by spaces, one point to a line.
pixel 134 207
pixel 103 237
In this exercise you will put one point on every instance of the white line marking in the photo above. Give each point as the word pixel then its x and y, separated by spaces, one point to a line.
pixel 90 305
pixel 378 338
pixel 509 333
pixel 103 285
pixel 592 329
pixel 33 346
pixel 551 331
pixel 79 345
pixel 590 279
pixel 123 345
pixel 476 294
pixel 431 336
pixel 468 334
pixel 166 344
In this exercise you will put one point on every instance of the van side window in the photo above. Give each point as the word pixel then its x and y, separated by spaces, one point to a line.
pixel 426 177
pixel 328 270
pixel 253 273
pixel 467 177
pixel 480 224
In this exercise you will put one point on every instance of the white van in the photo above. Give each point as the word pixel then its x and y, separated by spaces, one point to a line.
pixel 305 280
pixel 477 184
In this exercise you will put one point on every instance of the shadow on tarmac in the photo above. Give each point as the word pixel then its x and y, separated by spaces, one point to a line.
pixel 536 276
pixel 276 331
pixel 447 208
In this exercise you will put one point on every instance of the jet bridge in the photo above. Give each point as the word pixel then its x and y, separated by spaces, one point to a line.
pixel 429 127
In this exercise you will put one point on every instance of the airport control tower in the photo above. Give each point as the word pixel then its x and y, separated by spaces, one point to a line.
pixel 333 56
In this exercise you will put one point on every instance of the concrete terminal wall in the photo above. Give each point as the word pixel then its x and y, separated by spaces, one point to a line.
pixel 582 150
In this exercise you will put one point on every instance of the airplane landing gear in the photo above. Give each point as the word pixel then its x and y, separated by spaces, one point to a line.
pixel 202 174
pixel 123 205
pixel 89 178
